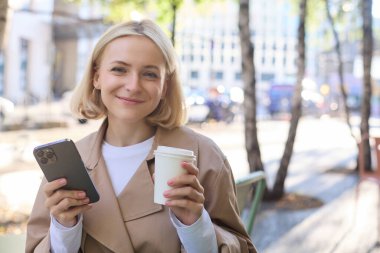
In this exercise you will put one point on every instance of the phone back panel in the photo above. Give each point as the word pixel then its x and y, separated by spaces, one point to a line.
pixel 61 159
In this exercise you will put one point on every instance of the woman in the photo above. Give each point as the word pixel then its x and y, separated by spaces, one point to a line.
pixel 132 81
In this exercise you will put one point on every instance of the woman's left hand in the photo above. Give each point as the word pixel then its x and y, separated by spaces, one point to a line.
pixel 186 199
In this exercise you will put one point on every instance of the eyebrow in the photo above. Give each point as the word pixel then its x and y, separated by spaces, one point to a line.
pixel 128 65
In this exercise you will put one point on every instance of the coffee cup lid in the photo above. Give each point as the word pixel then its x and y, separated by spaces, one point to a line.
pixel 174 151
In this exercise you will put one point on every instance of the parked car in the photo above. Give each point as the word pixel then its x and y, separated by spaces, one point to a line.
pixel 7 107
pixel 197 109
pixel 209 104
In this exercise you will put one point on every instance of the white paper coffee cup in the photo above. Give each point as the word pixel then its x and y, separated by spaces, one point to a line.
pixel 168 165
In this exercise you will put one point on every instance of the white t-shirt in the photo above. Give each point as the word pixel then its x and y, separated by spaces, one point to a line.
pixel 122 162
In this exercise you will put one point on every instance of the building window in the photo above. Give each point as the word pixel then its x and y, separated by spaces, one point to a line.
pixel 267 76
pixel 218 75
pixel 194 74
pixel 238 76
pixel 24 45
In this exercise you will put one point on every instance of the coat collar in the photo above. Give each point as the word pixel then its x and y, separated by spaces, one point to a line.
pixel 173 138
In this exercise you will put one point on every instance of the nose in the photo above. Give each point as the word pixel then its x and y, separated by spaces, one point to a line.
pixel 132 82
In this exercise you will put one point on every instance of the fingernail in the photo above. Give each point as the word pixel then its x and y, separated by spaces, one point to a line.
pixel 62 181
pixel 166 193
pixel 81 194
pixel 170 182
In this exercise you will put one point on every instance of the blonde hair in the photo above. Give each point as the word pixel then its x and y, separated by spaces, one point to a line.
pixel 171 111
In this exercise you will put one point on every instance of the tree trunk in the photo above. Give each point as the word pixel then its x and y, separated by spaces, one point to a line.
pixel 174 20
pixel 3 19
pixel 367 50
pixel 340 68
pixel 248 70
pixel 278 187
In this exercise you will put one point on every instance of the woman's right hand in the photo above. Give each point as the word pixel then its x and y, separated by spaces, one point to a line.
pixel 65 205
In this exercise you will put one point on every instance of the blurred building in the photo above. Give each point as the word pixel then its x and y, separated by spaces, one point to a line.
pixel 209 45
pixel 45 46
pixel 48 41
pixel 351 51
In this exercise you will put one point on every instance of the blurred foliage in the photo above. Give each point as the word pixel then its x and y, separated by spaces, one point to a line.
pixel 162 11
pixel 346 15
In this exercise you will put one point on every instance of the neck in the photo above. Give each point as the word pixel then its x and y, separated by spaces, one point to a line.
pixel 123 134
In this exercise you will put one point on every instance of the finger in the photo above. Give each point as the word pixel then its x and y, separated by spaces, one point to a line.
pixel 190 168
pixel 185 192
pixel 186 204
pixel 67 204
pixel 59 195
pixel 51 187
pixel 186 180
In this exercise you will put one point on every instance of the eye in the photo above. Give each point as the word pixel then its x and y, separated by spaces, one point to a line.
pixel 119 70
pixel 151 75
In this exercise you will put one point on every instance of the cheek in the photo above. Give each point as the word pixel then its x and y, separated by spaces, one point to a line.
pixel 107 83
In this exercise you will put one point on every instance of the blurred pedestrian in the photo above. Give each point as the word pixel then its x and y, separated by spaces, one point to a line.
pixel 214 103
pixel 132 81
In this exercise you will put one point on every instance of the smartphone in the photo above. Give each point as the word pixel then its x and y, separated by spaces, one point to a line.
pixel 61 159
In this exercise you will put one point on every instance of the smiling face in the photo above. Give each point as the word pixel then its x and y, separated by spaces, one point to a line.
pixel 131 78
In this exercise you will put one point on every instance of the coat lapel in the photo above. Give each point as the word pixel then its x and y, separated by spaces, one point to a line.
pixel 136 200
pixel 104 222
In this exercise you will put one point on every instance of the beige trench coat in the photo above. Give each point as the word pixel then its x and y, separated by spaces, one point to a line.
pixel 132 222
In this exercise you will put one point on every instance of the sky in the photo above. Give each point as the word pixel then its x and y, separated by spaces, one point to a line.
pixel 376 8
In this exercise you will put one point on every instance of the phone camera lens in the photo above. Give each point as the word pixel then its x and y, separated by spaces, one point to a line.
pixel 44 160
pixel 49 154
pixel 40 153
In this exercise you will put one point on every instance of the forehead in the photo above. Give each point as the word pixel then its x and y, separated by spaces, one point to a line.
pixel 136 48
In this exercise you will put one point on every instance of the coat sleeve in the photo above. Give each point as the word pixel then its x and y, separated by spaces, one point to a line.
pixel 223 209
pixel 37 234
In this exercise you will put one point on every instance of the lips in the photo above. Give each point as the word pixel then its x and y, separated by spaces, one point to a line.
pixel 130 100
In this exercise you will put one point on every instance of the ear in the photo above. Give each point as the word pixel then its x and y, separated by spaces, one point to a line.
pixel 96 83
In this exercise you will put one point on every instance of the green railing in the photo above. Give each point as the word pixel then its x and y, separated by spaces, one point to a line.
pixel 12 243
pixel 254 183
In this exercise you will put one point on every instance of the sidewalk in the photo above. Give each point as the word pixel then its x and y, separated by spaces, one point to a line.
pixel 347 225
